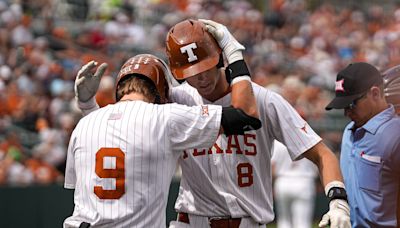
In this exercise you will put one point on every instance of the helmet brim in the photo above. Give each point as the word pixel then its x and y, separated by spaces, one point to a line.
pixel 184 72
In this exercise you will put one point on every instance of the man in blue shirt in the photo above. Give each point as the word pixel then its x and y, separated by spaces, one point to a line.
pixel 370 153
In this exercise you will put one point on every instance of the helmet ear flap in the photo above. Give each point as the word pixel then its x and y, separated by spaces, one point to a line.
pixel 220 63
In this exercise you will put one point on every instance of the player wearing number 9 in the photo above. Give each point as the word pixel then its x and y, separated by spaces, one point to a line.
pixel 121 158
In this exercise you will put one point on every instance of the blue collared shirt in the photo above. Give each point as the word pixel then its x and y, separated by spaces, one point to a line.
pixel 370 164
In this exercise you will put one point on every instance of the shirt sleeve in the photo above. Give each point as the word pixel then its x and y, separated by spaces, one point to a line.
pixel 183 94
pixel 288 127
pixel 70 175
pixel 194 127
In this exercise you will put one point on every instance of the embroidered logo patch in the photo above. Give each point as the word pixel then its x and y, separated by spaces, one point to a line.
pixel 304 128
pixel 339 85
pixel 115 116
pixel 204 110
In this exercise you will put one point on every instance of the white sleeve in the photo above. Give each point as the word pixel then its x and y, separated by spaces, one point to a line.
pixel 184 94
pixel 194 127
pixel 289 128
pixel 70 175
pixel 174 95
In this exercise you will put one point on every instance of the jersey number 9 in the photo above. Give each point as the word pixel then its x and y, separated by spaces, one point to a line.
pixel 118 173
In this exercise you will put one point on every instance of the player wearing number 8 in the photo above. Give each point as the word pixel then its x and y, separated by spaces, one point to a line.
pixel 121 158
pixel 230 182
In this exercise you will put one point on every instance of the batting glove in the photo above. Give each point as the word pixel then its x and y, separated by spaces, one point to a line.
pixel 338 215
pixel 230 46
pixel 87 83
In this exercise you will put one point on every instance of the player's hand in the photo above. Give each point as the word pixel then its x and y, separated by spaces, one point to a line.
pixel 338 215
pixel 87 82
pixel 230 46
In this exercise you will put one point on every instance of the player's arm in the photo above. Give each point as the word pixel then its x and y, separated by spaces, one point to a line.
pixel 331 177
pixel 86 85
pixel 243 114
pixel 326 161
pixel 70 174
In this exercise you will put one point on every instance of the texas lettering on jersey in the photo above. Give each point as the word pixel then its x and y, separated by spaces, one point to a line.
pixel 236 144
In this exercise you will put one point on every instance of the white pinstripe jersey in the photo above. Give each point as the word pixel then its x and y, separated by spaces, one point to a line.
pixel 233 178
pixel 121 159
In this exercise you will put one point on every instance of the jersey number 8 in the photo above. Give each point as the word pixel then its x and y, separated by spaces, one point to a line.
pixel 245 174
pixel 118 173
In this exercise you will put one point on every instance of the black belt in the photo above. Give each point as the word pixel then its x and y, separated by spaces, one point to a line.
pixel 215 222
pixel 84 225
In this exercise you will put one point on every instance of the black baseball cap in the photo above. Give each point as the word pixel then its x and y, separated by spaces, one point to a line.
pixel 352 82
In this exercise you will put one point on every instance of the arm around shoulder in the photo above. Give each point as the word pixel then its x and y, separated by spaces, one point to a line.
pixel 243 115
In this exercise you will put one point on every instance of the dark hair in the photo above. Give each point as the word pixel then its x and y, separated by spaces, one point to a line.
pixel 137 83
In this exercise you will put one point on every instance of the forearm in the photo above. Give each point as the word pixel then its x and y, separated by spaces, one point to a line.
pixel 326 162
pixel 331 177
pixel 243 98
pixel 330 170
pixel 242 115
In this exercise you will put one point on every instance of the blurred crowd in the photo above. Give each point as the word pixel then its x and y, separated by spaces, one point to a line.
pixel 294 47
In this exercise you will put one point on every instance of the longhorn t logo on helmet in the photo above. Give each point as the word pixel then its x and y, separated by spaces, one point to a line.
pixel 189 50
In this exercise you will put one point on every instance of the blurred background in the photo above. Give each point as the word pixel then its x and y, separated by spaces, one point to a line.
pixel 294 47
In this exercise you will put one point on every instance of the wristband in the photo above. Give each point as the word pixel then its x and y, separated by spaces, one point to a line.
pixel 241 78
pixel 335 190
pixel 337 193
pixel 238 68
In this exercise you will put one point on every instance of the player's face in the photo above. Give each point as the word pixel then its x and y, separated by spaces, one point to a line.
pixel 205 82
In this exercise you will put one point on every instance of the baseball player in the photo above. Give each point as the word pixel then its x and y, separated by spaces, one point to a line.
pixel 121 158
pixel 229 184
pixel 232 185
